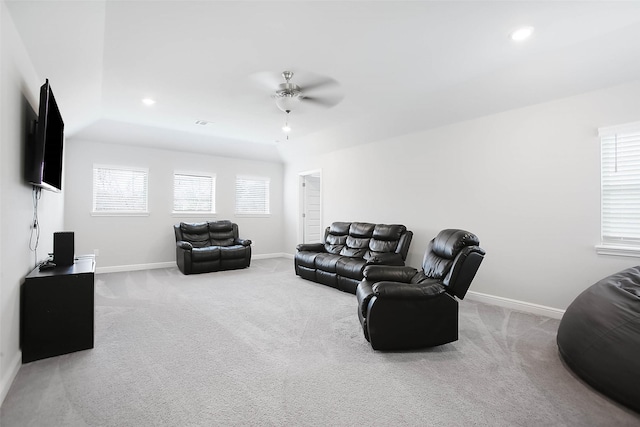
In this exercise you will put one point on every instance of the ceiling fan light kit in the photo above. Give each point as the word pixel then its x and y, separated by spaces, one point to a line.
pixel 287 102
pixel 288 94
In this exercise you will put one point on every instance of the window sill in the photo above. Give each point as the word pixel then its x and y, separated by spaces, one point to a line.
pixel 193 214
pixel 119 213
pixel 618 250
pixel 255 215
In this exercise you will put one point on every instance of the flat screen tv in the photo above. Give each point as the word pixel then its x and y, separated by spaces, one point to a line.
pixel 44 168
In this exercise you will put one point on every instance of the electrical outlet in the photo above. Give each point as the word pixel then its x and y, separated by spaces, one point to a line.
pixel 96 252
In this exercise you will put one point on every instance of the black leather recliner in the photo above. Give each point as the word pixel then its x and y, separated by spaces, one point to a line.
pixel 210 246
pixel 404 308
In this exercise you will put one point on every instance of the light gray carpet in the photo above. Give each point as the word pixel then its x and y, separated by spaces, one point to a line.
pixel 261 346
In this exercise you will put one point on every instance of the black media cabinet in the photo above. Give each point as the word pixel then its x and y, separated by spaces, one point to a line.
pixel 57 310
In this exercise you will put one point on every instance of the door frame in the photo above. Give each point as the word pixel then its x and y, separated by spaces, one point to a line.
pixel 301 200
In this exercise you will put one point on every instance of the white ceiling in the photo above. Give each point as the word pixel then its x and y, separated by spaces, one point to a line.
pixel 401 66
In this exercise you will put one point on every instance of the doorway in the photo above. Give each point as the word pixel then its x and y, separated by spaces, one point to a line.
pixel 311 206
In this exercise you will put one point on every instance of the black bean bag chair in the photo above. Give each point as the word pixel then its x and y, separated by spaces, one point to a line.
pixel 599 336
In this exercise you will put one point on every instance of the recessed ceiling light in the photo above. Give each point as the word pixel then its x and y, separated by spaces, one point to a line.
pixel 522 34
pixel 148 101
pixel 203 122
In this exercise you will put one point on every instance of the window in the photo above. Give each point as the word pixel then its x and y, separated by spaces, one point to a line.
pixel 120 190
pixel 620 190
pixel 252 195
pixel 194 193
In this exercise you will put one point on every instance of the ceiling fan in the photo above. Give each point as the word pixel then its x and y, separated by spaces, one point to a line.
pixel 309 90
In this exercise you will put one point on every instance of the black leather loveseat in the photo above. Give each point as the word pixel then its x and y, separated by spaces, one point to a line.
pixel 210 246
pixel 347 249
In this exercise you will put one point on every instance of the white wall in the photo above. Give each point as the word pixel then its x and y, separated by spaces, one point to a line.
pixel 526 181
pixel 19 91
pixel 133 242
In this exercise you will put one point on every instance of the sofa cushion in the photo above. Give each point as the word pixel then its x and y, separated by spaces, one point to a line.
pixel 306 258
pixel 386 232
pixel 351 267
pixel 197 233
pixel 335 243
pixel 207 253
pixel 339 228
pixel 385 240
pixel 336 237
pixel 233 252
pixel 355 246
pixel 361 229
pixel 221 233
pixel 435 266
pixel 327 262
pixel 379 246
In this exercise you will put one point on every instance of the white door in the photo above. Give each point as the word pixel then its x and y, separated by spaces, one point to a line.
pixel 311 208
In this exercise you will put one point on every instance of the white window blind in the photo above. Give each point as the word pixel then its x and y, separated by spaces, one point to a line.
pixel 193 193
pixel 120 190
pixel 252 195
pixel 620 184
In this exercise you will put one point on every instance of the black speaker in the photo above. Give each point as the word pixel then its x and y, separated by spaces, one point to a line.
pixel 63 248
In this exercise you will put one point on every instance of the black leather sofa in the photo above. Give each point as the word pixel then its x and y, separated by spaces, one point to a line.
pixel 210 246
pixel 404 308
pixel 347 249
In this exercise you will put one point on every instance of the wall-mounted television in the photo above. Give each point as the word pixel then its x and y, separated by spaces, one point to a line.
pixel 44 164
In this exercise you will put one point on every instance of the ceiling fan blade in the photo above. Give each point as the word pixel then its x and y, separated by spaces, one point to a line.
pixel 324 101
pixel 266 79
pixel 318 83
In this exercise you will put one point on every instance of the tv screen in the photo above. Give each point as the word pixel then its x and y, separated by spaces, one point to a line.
pixel 46 158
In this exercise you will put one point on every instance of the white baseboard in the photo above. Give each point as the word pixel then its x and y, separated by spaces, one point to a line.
pixel 274 255
pixel 7 379
pixel 134 267
pixel 169 264
pixel 512 304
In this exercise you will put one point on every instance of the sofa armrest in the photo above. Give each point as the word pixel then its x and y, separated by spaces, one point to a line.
pixel 387 258
pixel 311 247
pixel 243 242
pixel 398 290
pixel 378 273
pixel 364 293
pixel 184 245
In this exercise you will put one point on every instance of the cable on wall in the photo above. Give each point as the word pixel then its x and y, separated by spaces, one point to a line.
pixel 34 240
